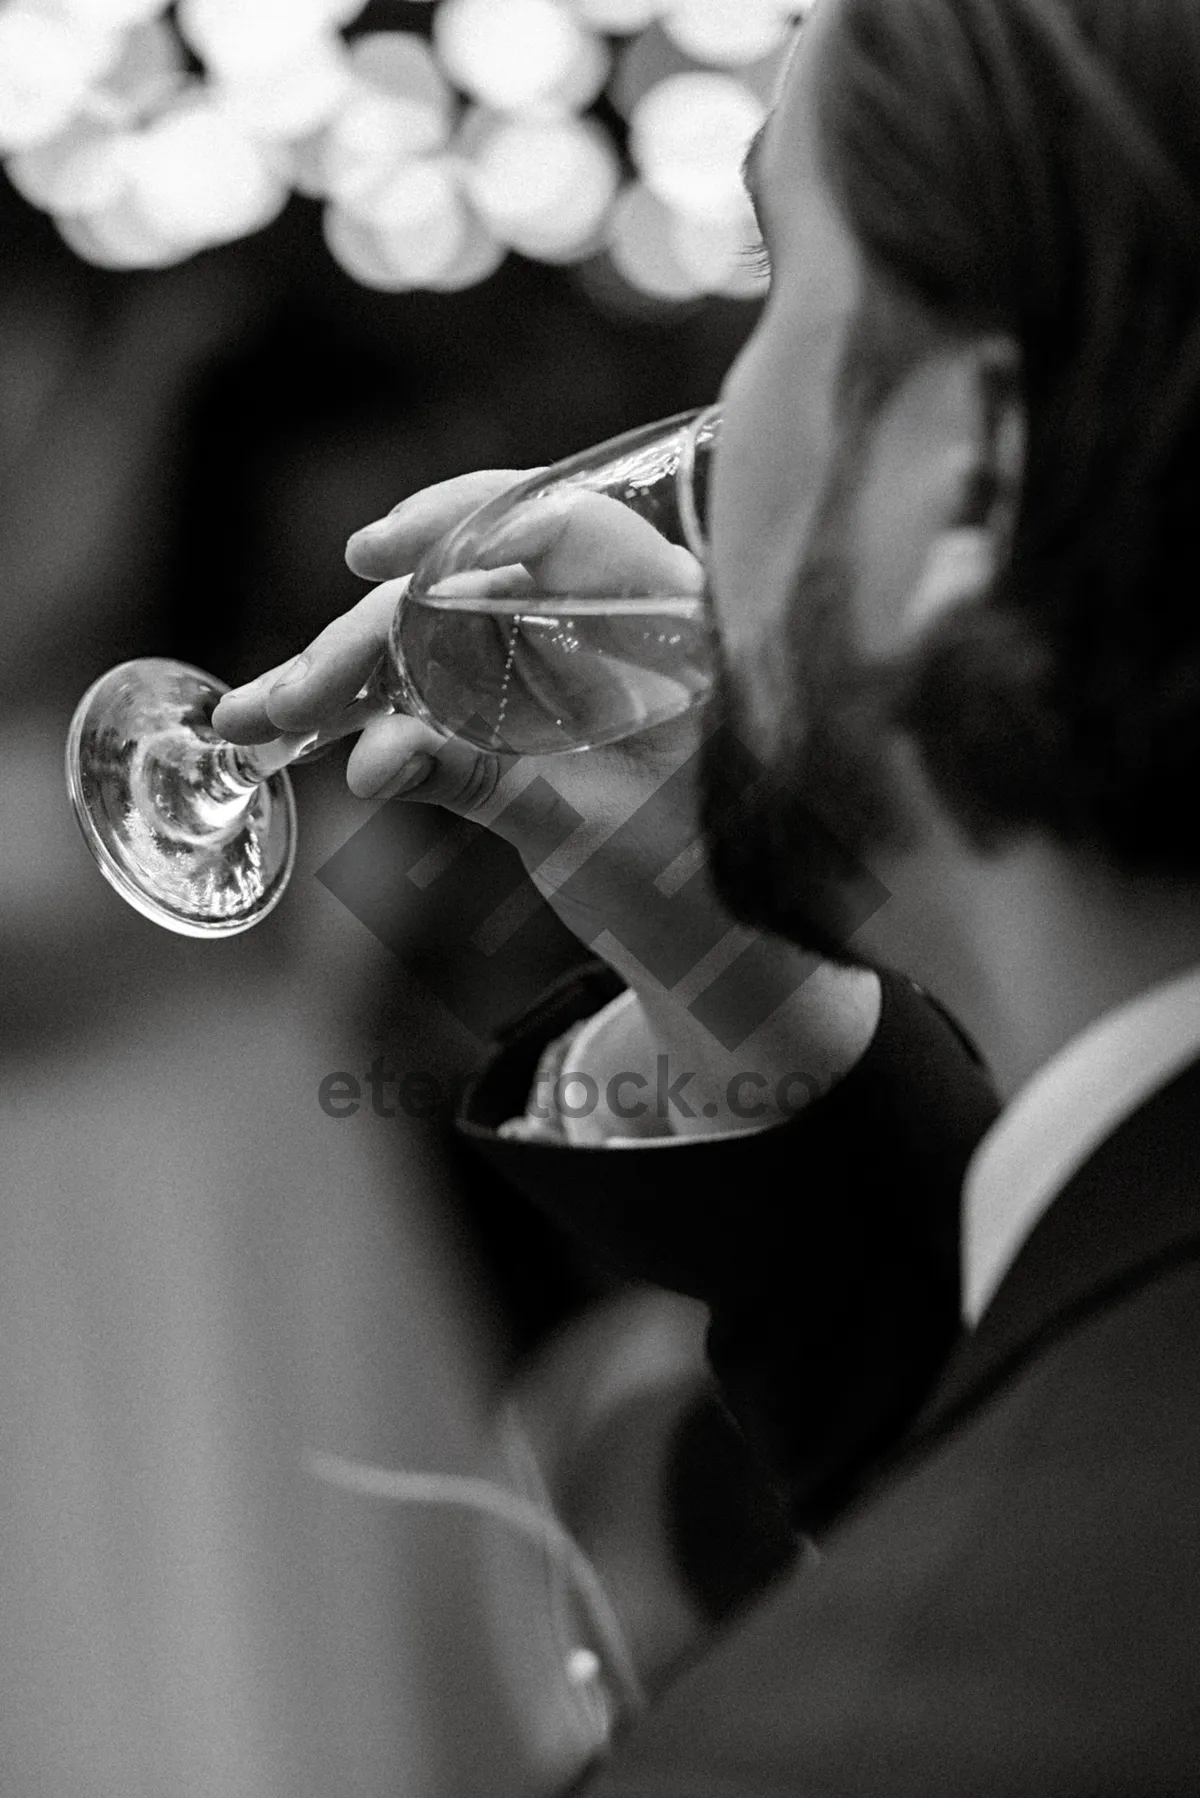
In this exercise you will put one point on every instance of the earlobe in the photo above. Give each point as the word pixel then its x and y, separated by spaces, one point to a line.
pixel 958 570
pixel 964 560
pixel 1004 433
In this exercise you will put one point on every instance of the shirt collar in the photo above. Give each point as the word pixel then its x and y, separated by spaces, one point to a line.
pixel 1061 1116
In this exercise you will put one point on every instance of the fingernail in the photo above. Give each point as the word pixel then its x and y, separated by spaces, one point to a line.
pixel 414 772
pixel 295 671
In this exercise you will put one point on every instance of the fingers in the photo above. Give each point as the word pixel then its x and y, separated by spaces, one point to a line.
pixel 239 716
pixel 395 544
pixel 397 754
pixel 591 544
pixel 339 661
pixel 313 691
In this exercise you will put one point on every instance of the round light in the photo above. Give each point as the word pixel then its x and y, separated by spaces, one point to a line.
pixel 640 247
pixel 688 137
pixel 113 15
pixel 47 63
pixel 511 54
pixel 418 218
pixel 401 64
pixel 620 17
pixel 370 137
pixel 119 236
pixel 717 31
pixel 238 37
pixel 292 99
pixel 585 80
pixel 479 256
pixel 544 186
pixel 83 169
pixel 400 106
pixel 386 261
pixel 150 69
pixel 356 248
pixel 198 176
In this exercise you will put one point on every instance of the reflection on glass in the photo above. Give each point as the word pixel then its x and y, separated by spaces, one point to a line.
pixel 568 613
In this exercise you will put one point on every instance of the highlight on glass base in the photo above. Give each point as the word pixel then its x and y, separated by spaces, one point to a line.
pixel 197 835
pixel 568 613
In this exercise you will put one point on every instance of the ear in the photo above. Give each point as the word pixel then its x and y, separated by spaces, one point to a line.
pixel 964 559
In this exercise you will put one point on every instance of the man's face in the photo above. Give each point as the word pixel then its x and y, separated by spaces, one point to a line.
pixel 820 522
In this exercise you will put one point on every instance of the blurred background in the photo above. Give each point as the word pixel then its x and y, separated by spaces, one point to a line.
pixel 269 266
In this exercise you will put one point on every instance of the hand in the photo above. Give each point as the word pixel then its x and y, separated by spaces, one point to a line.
pixel 596 830
pixel 583 548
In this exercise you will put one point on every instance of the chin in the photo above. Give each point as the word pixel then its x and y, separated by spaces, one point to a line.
pixel 791 838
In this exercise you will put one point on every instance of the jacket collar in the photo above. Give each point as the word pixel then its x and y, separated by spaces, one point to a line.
pixel 1133 1207
pixel 1072 1105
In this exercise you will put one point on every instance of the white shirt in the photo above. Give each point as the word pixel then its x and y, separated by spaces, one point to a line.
pixel 1043 1137
pixel 1061 1116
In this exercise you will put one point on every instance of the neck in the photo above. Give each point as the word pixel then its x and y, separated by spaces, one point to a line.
pixel 1055 942
pixel 1026 947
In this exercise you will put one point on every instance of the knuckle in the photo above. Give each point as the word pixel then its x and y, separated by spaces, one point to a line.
pixel 472 786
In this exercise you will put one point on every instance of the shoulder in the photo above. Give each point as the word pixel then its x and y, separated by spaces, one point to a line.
pixel 1014 1609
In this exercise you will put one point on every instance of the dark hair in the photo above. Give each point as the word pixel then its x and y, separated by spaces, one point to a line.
pixel 1033 167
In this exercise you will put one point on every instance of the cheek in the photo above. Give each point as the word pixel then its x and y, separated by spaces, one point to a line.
pixel 776 448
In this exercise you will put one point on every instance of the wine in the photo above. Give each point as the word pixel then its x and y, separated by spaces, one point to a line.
pixel 541 675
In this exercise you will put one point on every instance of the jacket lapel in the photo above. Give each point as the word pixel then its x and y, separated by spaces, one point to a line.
pixel 1133 1207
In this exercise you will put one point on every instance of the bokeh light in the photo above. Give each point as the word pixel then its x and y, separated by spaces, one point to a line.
pixel 641 248
pixel 48 61
pixel 713 31
pixel 83 169
pixel 619 16
pixel 544 186
pixel 293 98
pixel 401 106
pixel 478 256
pixel 151 132
pixel 688 136
pixel 113 15
pixel 238 37
pixel 514 55
pixel 418 217
pixel 118 235
pixel 148 72
pixel 197 174
pixel 356 248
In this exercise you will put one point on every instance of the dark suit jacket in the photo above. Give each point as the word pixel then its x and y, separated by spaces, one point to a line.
pixel 1007 1599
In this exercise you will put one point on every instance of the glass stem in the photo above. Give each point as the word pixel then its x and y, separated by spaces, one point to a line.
pixel 199 791
pixel 246 766
pixel 203 789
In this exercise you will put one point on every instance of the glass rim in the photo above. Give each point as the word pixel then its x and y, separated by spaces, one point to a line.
pixel 685 481
pixel 689 425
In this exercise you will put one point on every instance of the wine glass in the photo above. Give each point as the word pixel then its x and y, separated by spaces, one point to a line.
pixel 199 835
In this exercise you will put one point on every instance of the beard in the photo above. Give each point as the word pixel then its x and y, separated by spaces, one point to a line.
pixel 790 841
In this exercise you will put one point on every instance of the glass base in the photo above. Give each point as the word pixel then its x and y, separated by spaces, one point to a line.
pixel 175 823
